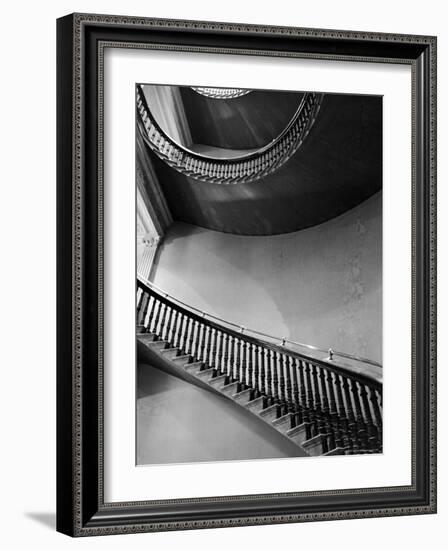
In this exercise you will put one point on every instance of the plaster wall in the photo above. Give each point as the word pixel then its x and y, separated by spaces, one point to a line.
pixel 321 285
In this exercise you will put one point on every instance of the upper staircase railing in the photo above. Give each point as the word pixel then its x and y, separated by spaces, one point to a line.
pixel 340 407
pixel 242 169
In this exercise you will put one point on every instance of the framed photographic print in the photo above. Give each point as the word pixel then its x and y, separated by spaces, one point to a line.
pixel 246 274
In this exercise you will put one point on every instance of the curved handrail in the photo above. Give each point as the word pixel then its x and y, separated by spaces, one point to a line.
pixel 246 168
pixel 210 319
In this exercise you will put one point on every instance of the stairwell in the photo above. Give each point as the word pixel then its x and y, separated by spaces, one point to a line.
pixel 320 408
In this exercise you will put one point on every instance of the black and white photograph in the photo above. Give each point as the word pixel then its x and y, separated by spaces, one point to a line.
pixel 258 274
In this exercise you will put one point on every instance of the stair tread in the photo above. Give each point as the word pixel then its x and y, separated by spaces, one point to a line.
pixel 268 410
pixel 196 364
pixel 242 393
pixel 254 403
pixel 205 372
pixel 180 358
pixel 157 343
pixel 297 429
pixel 285 418
pixel 314 440
pixel 146 336
pixel 230 387
pixel 219 378
pixel 169 350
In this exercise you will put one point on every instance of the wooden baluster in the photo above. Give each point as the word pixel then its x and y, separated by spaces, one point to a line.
pixel 138 305
pixel 139 296
pixel 156 317
pixel 177 328
pixel 192 344
pixel 166 325
pixel 212 356
pixel 238 363
pixel 295 381
pixel 162 320
pixel 361 427
pixel 282 381
pixel 329 428
pixel 289 394
pixel 376 409
pixel 194 339
pixel 150 313
pixel 310 399
pixel 225 347
pixel 372 440
pixel 262 371
pixel 189 336
pixel 201 343
pixel 219 352
pixel 302 392
pixel 207 347
pixel 275 376
pixel 250 364
pixel 141 313
pixel 267 367
pixel 183 333
pixel 342 413
pixel 379 397
pixel 173 328
pixel 255 369
pixel 318 406
pixel 334 417
pixel 295 396
pixel 173 325
pixel 353 429
pixel 244 363
pixel 230 352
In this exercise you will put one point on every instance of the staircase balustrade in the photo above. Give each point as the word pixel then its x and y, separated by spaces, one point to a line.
pixel 245 168
pixel 339 408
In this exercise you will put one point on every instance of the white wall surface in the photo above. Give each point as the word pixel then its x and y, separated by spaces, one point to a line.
pixel 27 229
pixel 321 286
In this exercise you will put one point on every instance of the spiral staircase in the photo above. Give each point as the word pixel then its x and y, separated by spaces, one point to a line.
pixel 323 407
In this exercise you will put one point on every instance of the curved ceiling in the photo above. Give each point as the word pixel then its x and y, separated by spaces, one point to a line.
pixel 246 122
pixel 338 166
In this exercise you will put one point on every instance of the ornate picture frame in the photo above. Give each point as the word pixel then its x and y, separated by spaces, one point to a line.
pixel 81 506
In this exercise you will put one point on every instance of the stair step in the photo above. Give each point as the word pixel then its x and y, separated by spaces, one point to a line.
pixel 283 423
pixel 299 433
pixel 230 389
pixel 194 367
pixel 315 445
pixel 255 405
pixel 147 337
pixel 182 359
pixel 170 353
pixel 206 373
pixel 242 396
pixel 218 380
pixel 157 344
pixel 337 451
pixel 270 413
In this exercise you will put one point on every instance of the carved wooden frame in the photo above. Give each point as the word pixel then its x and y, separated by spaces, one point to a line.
pixel 81 510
